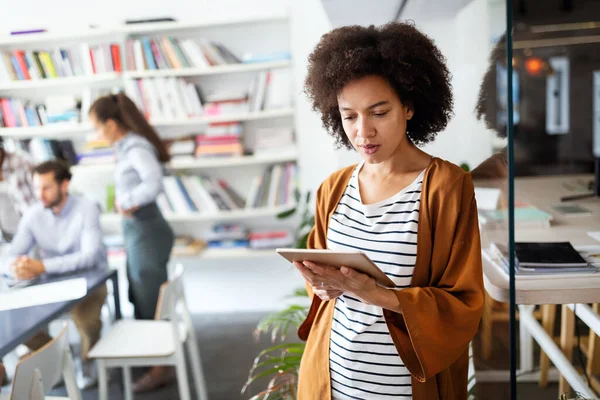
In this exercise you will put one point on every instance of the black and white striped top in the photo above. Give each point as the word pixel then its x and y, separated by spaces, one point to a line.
pixel 363 361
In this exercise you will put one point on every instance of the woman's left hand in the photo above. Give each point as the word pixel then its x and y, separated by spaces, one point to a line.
pixel 126 213
pixel 344 279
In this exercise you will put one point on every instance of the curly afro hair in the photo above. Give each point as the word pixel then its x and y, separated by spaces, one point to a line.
pixel 408 59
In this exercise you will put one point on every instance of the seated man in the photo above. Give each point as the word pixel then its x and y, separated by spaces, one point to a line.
pixel 66 231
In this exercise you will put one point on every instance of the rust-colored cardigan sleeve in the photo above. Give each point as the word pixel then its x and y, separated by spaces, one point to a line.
pixel 440 317
pixel 317 239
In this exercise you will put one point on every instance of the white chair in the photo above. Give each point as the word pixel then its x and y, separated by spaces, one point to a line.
pixel 37 373
pixel 136 343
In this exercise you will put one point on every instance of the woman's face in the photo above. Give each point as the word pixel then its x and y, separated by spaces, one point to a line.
pixel 373 118
pixel 104 130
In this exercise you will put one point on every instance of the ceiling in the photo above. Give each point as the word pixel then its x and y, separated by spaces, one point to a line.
pixel 367 12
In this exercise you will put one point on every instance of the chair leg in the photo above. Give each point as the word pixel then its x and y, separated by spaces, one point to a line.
pixel 567 335
pixel 68 373
pixel 127 383
pixel 593 349
pixel 194 353
pixel 102 380
pixel 548 317
pixel 182 378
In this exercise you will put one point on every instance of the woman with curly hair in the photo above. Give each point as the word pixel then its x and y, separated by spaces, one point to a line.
pixel 384 91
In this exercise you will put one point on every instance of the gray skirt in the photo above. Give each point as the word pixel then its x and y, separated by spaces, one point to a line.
pixel 148 243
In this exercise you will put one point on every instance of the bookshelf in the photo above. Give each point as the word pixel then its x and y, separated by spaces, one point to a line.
pixel 222 69
pixel 47 131
pixel 76 129
pixel 203 164
pixel 67 130
pixel 260 43
pixel 219 216
pixel 211 254
pixel 247 116
pixel 110 78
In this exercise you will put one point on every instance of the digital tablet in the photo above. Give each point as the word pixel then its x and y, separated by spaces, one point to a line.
pixel 338 258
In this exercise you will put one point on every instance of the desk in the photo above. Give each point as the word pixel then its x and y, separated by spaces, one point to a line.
pixel 543 192
pixel 18 325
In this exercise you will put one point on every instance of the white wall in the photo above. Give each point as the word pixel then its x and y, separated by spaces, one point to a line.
pixel 464 37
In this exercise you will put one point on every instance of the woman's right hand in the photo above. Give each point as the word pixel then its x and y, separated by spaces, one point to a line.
pixel 327 294
pixel 323 291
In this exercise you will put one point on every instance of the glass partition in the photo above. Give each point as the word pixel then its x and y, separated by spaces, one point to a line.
pixel 473 38
pixel 556 126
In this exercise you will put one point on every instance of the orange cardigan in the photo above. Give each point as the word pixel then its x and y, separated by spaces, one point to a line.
pixel 442 308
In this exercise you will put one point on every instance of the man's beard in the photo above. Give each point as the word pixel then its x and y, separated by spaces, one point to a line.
pixel 56 202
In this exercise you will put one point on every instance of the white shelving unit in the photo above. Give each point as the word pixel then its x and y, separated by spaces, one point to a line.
pixel 47 131
pixel 109 78
pixel 222 216
pixel 249 116
pixel 208 163
pixel 68 130
pixel 221 69
pixel 253 34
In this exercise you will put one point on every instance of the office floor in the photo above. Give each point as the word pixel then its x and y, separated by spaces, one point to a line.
pixel 228 350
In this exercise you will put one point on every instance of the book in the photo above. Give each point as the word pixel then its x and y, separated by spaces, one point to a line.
pixel 548 254
pixel 500 255
pixel 525 217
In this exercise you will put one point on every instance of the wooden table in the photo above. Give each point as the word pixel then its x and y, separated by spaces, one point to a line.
pixel 556 289
pixel 16 326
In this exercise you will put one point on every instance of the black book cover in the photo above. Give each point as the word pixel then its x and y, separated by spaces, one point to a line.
pixel 559 254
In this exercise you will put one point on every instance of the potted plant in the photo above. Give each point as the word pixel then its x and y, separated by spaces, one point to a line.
pixel 281 362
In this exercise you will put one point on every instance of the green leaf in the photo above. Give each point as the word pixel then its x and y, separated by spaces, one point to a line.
pixel 262 374
pixel 307 202
pixel 302 242
pixel 281 321
pixel 297 195
pixel 286 213
pixel 307 222
pixel 301 292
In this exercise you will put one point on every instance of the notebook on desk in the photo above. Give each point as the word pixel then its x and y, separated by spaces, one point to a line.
pixel 532 262
pixel 548 255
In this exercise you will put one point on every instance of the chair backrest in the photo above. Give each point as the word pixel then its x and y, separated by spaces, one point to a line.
pixel 170 295
pixel 40 371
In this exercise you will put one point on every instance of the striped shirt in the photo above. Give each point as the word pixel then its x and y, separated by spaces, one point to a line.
pixel 363 360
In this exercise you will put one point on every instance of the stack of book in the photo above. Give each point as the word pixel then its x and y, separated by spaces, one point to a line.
pixel 196 193
pixel 270 239
pixel 227 236
pixel 160 53
pixel 165 98
pixel 542 258
pixel 16 113
pixel 270 90
pixel 237 236
pixel 220 139
pixel 275 186
pixel 270 140
pixel 46 149
pixel 58 109
pixel 187 246
pixel 96 152
pixel 21 65
pixel 115 245
pixel 182 148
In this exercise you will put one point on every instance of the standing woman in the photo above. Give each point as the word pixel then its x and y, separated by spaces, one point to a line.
pixel 138 181
pixel 384 91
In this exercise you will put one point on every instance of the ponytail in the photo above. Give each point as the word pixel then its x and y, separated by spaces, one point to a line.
pixel 125 113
